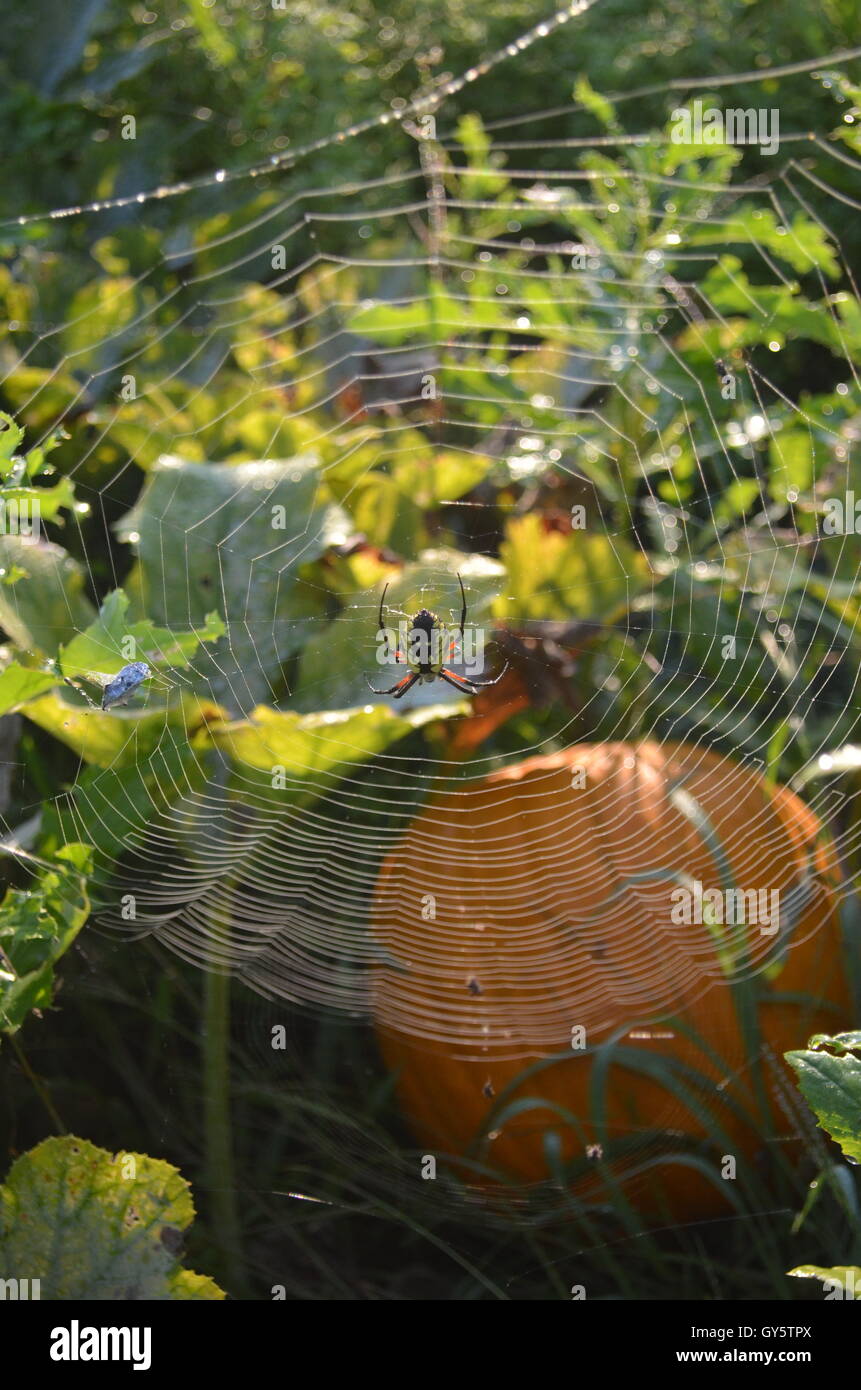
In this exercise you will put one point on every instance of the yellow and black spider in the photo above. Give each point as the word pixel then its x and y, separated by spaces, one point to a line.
pixel 422 627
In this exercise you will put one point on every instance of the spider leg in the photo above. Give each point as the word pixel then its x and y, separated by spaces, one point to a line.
pixel 406 684
pixel 463 610
pixel 468 682
pixel 399 688
pixel 382 602
pixel 382 615
pixel 399 660
pixel 493 681
pixel 458 631
pixel 456 681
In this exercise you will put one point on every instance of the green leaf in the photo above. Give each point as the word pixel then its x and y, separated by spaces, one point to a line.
pixel 475 182
pixel 13 575
pixel 394 324
pixel 385 514
pixel 101 318
pixel 128 62
pixel 112 641
pixel 57 391
pixel 737 498
pixel 11 435
pixel 832 1088
pixel 90 1225
pixel 35 458
pixel 233 536
pixel 312 746
pixel 437 312
pixel 337 664
pixel 557 575
pixel 711 163
pixel 112 808
pixel 765 312
pixel 19 684
pixel 790 463
pixel 36 928
pixel 849 309
pixel 51 606
pixel 119 737
pixel 836 1042
pixel 802 244
pixel 213 35
pixel 42 503
pixel 845 1277
pixel 600 107
pixel 431 478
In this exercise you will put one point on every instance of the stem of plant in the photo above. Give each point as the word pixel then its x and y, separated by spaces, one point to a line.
pixel 217 1123
pixel 38 1086
pixel 218 1133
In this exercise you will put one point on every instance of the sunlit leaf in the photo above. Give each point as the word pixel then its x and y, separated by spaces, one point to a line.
pixel 843 1278
pixel 232 538
pixel 37 926
pixel 311 746
pixel 558 574
pixel 91 1225
pixel 18 684
pixel 791 466
pixel 50 607
pixel 832 1088
pixel 112 641
pixel 11 435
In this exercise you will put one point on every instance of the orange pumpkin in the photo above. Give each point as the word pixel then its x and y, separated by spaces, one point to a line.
pixel 550 898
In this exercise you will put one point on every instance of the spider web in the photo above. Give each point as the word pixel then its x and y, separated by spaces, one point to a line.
pixel 490 325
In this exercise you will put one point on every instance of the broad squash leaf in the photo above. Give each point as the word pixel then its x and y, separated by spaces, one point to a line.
pixel 98 1226
pixel 49 606
pixel 232 537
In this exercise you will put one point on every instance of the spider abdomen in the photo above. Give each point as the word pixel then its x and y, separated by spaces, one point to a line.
pixel 425 621
pixel 424 643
